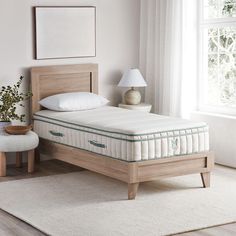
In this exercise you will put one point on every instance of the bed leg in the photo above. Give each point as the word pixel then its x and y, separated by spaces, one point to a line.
pixel 132 190
pixel 206 179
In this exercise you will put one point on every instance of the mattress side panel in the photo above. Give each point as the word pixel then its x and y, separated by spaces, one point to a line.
pixel 138 148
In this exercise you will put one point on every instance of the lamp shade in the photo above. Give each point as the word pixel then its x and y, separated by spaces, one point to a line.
pixel 132 78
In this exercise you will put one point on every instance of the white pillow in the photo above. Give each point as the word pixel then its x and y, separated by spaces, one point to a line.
pixel 73 101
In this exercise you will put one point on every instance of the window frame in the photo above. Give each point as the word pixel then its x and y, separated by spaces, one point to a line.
pixel 202 71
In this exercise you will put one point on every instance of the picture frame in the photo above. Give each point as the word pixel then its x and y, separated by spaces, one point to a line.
pixel 65 32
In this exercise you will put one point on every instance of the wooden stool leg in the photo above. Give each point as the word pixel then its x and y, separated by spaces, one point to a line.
pixel 132 190
pixel 37 155
pixel 31 161
pixel 206 179
pixel 18 159
pixel 2 164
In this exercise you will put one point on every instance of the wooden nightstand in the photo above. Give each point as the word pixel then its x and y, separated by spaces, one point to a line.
pixel 140 107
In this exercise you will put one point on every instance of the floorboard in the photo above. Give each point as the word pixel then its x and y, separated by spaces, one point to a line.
pixel 11 226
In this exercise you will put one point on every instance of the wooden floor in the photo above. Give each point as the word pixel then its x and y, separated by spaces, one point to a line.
pixel 11 226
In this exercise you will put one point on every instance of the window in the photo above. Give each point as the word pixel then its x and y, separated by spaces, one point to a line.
pixel 217 60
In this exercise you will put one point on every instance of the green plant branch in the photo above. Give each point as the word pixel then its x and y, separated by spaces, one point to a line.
pixel 10 98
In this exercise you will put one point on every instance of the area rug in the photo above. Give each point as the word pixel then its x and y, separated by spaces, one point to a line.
pixel 85 203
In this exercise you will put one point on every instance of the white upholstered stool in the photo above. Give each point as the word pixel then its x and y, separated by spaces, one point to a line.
pixel 18 144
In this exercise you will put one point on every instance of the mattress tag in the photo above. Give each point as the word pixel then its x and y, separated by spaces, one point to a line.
pixel 174 143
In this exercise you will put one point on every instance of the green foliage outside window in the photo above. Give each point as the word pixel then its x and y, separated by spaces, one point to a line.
pixel 222 58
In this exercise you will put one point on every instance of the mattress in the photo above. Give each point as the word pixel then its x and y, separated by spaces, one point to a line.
pixel 123 134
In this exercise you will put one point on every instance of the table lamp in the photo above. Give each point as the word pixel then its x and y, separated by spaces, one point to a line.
pixel 132 78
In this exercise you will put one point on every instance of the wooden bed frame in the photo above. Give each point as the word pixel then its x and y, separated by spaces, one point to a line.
pixel 50 80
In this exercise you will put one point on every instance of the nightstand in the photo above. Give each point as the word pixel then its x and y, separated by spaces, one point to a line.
pixel 140 107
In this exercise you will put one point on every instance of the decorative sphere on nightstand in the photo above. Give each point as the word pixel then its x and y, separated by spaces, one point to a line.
pixel 132 97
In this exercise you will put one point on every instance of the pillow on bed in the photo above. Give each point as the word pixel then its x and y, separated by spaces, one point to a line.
pixel 73 101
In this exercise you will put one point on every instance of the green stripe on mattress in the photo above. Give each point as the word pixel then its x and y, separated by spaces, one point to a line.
pixel 123 139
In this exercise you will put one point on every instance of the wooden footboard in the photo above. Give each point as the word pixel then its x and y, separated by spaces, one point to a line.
pixel 132 172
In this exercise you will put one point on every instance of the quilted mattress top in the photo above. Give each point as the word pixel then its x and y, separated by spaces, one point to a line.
pixel 119 120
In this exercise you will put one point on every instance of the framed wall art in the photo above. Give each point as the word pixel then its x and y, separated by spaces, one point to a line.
pixel 65 32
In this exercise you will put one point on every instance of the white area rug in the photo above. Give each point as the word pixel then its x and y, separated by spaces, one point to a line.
pixel 84 203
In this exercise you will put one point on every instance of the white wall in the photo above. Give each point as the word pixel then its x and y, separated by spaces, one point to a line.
pixel 117 40
pixel 222 136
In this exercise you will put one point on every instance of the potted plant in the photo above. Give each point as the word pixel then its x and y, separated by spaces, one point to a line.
pixel 10 97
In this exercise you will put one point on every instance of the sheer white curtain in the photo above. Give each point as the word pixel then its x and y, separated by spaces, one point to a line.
pixel 168 54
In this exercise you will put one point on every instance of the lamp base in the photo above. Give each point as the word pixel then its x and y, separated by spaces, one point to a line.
pixel 132 97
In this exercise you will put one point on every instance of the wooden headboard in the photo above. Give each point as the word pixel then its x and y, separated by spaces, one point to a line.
pixel 51 80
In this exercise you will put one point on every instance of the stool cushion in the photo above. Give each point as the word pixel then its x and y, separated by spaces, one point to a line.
pixel 18 143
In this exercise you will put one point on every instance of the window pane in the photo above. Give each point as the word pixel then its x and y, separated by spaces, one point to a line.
pixel 227 8
pixel 210 8
pixel 213 45
pixel 219 8
pixel 221 66
pixel 228 83
pixel 227 37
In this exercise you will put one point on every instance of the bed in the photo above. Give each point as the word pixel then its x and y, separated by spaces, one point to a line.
pixel 131 146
